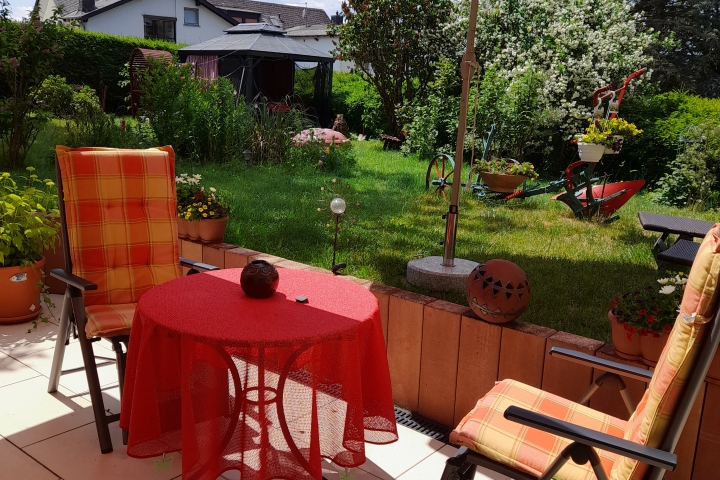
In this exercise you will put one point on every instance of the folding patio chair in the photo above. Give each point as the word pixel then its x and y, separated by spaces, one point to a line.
pixel 684 249
pixel 118 219
pixel 525 433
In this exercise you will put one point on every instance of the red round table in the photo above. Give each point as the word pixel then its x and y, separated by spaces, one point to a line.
pixel 264 386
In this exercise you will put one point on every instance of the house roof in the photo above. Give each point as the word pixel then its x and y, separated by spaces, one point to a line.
pixel 310 31
pixel 257 40
pixel 287 16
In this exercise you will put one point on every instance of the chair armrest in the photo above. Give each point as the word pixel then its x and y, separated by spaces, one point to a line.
pixel 72 280
pixel 197 265
pixel 592 438
pixel 618 368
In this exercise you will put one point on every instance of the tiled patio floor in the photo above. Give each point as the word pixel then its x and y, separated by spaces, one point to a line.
pixel 49 436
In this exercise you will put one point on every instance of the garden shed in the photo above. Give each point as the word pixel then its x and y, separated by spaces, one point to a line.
pixel 140 60
pixel 261 60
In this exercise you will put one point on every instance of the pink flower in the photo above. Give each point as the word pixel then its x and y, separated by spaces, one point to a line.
pixel 14 62
pixel 54 47
pixel 46 51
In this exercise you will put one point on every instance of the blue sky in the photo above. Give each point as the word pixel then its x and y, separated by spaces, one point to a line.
pixel 21 7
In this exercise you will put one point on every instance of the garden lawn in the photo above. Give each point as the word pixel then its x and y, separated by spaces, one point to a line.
pixel 575 267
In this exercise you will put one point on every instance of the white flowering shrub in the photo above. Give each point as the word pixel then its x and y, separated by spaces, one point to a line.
pixel 575 46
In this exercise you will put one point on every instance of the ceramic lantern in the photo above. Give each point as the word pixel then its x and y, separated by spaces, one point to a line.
pixel 259 279
pixel 498 291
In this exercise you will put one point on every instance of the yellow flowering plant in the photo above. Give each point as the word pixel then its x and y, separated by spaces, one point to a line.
pixel 506 167
pixel 195 202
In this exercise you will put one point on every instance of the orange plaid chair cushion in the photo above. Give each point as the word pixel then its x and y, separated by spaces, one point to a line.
pixel 651 420
pixel 486 431
pixel 120 210
pixel 109 320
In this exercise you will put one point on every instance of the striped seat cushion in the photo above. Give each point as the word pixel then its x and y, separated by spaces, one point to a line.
pixel 109 320
pixel 651 420
pixel 487 432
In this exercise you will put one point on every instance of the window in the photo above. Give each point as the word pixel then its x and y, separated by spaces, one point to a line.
pixel 159 28
pixel 192 16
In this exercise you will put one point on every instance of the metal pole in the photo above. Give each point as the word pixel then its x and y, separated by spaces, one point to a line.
pixel 466 71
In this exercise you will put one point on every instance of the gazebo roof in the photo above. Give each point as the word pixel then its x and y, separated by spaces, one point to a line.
pixel 258 39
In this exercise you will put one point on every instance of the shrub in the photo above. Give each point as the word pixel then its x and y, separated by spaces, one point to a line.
pixel 693 177
pixel 271 136
pixel 97 59
pixel 664 118
pixel 359 102
pixel 337 159
pixel 56 96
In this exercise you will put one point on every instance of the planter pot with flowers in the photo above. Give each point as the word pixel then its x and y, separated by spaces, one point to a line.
pixel 642 320
pixel 504 175
pixel 25 230
pixel 202 214
pixel 604 137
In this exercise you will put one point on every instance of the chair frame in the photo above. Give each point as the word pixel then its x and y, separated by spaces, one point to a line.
pixel 463 465
pixel 72 316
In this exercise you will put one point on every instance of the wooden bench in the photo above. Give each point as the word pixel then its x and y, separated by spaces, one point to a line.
pixel 391 143
pixel 683 251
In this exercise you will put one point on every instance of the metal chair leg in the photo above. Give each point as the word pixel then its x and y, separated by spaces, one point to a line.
pixel 62 337
pixel 101 421
pixel 121 357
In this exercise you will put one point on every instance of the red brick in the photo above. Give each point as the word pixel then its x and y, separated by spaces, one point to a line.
pixel 713 375
pixel 238 257
pixel 191 250
pixel 271 259
pixel 405 322
pixel 382 293
pixel 292 265
pixel 215 254
pixel 522 352
pixel 312 268
pixel 55 258
pixel 607 399
pixel 478 362
pixel 439 361
pixel 567 379
pixel 708 444
pixel 360 281
pixel 685 449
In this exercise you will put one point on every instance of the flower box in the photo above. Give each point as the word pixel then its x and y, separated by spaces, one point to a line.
pixel 503 183
pixel 590 152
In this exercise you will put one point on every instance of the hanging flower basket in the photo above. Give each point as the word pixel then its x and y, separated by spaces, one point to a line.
pixel 590 152
pixel 616 146
pixel 503 183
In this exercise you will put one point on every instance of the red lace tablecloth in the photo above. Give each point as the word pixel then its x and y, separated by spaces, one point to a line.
pixel 194 379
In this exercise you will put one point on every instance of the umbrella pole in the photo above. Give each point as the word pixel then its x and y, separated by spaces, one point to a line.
pixel 466 70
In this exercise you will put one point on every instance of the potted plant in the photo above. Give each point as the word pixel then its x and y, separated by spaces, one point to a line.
pixel 620 130
pixel 202 214
pixel 26 228
pixel 504 175
pixel 591 145
pixel 642 320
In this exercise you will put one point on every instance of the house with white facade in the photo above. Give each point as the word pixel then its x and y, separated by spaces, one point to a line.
pixel 317 37
pixel 181 21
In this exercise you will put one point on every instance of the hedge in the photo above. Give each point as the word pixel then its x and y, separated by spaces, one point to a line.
pixel 97 59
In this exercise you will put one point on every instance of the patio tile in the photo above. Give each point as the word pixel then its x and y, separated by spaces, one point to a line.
pixel 12 371
pixel 432 467
pixel 15 341
pixel 18 464
pixel 76 381
pixel 332 472
pixel 391 461
pixel 75 455
pixel 30 414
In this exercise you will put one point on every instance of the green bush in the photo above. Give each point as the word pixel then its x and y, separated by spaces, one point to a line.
pixel 664 119
pixel 96 60
pixel 315 153
pixel 272 133
pixel 693 177
pixel 359 102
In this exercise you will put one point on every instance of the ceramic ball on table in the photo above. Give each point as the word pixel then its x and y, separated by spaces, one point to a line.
pixel 498 291
pixel 259 279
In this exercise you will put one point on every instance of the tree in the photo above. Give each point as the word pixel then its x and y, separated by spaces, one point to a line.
pixel 394 44
pixel 688 54
pixel 28 50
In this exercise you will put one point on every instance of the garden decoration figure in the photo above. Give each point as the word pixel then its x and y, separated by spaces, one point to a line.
pixel 335 196
pixel 259 279
pixel 582 195
pixel 498 291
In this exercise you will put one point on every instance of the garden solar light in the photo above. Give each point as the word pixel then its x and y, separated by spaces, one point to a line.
pixel 337 207
pixel 248 156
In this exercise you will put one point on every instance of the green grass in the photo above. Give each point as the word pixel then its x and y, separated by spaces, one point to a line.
pixel 575 267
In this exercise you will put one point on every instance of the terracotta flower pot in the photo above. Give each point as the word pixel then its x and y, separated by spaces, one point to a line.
pixel 20 299
pixel 498 182
pixel 652 347
pixel 182 228
pixel 627 348
pixel 192 230
pixel 590 152
pixel 212 230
